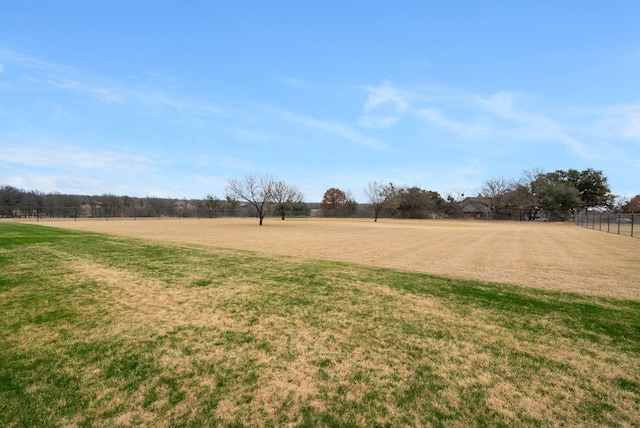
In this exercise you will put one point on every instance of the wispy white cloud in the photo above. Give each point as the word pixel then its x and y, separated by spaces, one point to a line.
pixel 49 153
pixel 500 116
pixel 295 82
pixel 251 135
pixel 621 121
pixel 501 105
pixel 384 107
pixel 18 59
pixel 154 100
pixel 631 126
pixel 242 121
pixel 49 164
pixel 48 74
pixel 338 129
pixel 151 94
pixel 102 92
pixel 526 125
pixel 222 161
pixel 434 117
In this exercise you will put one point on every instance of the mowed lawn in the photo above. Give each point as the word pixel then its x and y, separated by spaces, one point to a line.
pixel 104 330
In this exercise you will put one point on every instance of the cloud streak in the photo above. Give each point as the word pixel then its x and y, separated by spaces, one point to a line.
pixel 503 116
pixel 384 106
pixel 295 82
pixel 526 125
pixel 474 117
pixel 14 58
pixel 622 121
pixel 102 93
pixel 334 128
pixel 60 154
pixel 435 118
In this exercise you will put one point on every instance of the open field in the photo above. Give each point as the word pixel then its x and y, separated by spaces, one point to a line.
pixel 108 330
pixel 557 256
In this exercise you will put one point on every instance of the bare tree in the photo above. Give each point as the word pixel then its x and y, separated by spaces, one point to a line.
pixel 257 191
pixel 454 197
pixel 529 190
pixel 212 204
pixel 110 204
pixel 285 196
pixel 379 196
pixel 10 197
pixel 632 206
pixel 495 190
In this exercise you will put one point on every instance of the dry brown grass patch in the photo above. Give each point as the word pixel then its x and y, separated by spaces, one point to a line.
pixel 555 256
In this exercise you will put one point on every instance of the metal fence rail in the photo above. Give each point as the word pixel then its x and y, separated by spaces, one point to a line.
pixel 620 224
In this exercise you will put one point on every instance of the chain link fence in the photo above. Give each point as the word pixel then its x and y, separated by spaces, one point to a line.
pixel 106 213
pixel 621 224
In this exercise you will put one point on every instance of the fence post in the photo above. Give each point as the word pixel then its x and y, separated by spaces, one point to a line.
pixel 600 217
pixel 618 224
pixel 632 221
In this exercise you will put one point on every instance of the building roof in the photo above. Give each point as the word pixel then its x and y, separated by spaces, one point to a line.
pixel 475 205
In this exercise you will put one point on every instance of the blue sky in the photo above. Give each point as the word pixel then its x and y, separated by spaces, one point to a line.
pixel 173 98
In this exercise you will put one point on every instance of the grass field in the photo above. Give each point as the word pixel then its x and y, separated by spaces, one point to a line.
pixel 553 256
pixel 107 330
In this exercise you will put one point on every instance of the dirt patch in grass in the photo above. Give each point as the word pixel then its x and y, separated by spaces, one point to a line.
pixel 557 256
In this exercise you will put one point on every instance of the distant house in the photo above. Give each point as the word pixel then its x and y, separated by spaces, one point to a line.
pixel 476 208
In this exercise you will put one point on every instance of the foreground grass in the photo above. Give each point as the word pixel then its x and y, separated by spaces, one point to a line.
pixel 103 331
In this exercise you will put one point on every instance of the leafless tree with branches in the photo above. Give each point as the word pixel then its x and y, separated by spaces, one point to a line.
pixel 257 191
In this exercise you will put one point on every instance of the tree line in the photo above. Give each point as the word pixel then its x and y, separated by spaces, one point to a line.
pixel 557 195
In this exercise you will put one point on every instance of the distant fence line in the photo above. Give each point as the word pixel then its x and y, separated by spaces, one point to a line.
pixel 170 211
pixel 30 212
pixel 621 224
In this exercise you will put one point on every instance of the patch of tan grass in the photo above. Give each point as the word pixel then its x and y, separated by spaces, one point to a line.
pixel 139 308
pixel 556 256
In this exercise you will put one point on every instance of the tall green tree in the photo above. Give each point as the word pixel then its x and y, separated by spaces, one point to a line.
pixel 593 187
pixel 558 199
pixel 414 202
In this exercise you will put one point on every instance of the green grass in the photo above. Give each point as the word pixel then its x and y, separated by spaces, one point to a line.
pixel 97 330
